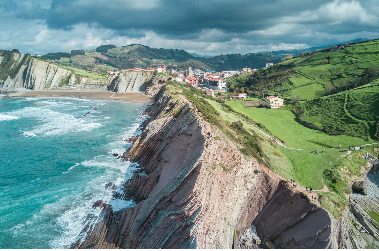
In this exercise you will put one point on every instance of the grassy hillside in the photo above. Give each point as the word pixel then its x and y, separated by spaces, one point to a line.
pixel 108 58
pixel 354 112
pixel 338 86
pixel 316 74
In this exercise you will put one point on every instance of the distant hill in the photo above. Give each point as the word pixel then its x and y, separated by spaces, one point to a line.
pixel 338 86
pixel 135 55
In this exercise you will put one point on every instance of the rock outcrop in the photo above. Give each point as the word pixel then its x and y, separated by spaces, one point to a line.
pixel 194 192
pixel 24 71
pixel 132 81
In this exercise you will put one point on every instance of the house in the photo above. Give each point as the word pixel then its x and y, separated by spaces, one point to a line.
pixel 161 67
pixel 269 64
pixel 95 69
pixel 221 85
pixel 210 93
pixel 242 95
pixel 150 69
pixel 275 102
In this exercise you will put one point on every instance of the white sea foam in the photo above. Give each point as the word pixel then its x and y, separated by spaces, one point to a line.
pixel 118 204
pixel 55 123
pixel 4 117
pixel 29 134
pixel 77 164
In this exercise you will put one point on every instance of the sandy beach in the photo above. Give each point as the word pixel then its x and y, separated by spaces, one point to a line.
pixel 92 94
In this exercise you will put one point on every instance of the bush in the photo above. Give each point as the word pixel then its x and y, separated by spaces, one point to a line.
pixel 77 52
pixel 105 48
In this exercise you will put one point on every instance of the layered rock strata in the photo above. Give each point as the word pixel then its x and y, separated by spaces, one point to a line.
pixel 195 192
pixel 130 82
pixel 36 74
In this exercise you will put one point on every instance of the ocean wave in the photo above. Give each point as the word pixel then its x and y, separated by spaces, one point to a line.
pixel 7 117
pixel 56 123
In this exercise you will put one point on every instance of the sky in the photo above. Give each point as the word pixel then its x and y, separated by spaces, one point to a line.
pixel 205 27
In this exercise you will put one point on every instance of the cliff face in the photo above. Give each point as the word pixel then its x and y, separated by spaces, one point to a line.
pixel 195 192
pixel 130 82
pixel 24 71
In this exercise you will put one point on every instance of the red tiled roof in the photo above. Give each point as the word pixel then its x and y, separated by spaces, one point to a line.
pixel 271 97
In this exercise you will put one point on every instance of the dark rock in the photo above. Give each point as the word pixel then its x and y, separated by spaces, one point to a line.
pixel 97 204
pixel 110 183
pixel 115 154
pixel 360 186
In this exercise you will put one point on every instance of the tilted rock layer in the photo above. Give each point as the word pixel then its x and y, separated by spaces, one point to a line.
pixel 194 192
pixel 35 74
pixel 130 81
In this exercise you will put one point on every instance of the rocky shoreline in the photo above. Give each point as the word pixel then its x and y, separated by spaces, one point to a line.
pixel 192 192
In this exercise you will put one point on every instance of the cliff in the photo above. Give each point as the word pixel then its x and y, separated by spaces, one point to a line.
pixel 130 82
pixel 192 190
pixel 23 71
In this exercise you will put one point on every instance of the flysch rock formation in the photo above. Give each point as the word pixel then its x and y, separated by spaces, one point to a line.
pixel 357 229
pixel 36 74
pixel 132 81
pixel 194 192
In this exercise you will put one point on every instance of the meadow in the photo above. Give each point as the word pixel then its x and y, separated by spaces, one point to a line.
pixel 305 166
pixel 283 125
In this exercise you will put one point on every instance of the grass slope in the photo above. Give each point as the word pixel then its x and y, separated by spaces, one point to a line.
pixel 306 168
pixel 354 112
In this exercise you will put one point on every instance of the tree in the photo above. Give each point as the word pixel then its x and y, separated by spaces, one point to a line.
pixel 77 52
pixel 105 48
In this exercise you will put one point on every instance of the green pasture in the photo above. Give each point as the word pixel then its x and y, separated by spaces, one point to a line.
pixel 84 73
pixel 306 92
pixel 308 167
pixel 299 80
pixel 354 112
pixel 283 125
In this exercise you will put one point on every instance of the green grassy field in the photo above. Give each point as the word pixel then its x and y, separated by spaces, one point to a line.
pixel 308 167
pixel 354 112
pixel 306 92
pixel 282 124
pixel 305 167
pixel 86 74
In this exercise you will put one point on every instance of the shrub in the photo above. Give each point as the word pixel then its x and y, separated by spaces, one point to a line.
pixel 105 48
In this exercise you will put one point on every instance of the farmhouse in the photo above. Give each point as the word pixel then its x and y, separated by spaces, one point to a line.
pixel 242 95
pixel 275 102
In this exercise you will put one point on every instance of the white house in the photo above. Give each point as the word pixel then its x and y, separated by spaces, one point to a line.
pixel 161 67
pixel 242 95
pixel 275 102
pixel 269 64
pixel 221 86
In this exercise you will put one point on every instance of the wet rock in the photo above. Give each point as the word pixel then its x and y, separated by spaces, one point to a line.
pixel 269 245
pixel 360 186
pixel 109 184
pixel 115 154
pixel 97 204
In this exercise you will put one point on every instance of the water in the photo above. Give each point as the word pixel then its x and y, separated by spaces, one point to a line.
pixel 54 164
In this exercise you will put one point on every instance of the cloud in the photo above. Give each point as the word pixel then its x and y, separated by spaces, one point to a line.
pixel 201 26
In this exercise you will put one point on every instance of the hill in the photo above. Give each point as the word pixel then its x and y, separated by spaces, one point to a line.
pixel 110 57
pixel 337 85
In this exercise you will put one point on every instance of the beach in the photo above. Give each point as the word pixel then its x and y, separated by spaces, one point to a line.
pixel 135 97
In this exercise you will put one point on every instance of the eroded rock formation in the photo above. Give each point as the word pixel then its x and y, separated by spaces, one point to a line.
pixel 194 192
pixel 130 82
pixel 35 74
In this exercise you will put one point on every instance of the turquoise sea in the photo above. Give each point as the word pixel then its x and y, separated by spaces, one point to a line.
pixel 55 163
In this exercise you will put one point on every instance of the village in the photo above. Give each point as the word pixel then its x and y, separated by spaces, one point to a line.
pixel 210 82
